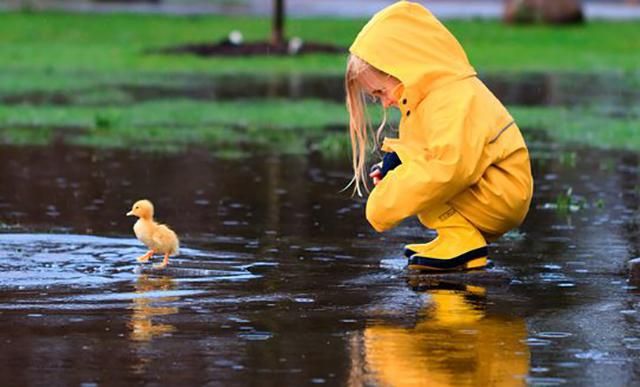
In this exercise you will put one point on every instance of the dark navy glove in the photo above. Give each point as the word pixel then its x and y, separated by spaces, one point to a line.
pixel 390 160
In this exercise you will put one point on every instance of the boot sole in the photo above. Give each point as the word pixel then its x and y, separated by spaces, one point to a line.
pixel 473 259
pixel 408 252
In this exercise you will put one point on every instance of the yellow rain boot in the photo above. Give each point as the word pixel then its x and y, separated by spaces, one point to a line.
pixel 459 245
pixel 417 248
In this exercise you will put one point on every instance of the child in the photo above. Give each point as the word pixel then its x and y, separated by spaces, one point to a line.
pixel 462 165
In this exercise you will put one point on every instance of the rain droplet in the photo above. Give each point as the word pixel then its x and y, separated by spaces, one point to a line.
pixel 554 335
pixel 256 336
pixel 592 355
pixel 568 364
pixel 238 320
pixel 545 381
pixel 534 342
pixel 539 369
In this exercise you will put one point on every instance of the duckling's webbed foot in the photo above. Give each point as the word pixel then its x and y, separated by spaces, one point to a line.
pixel 164 263
pixel 146 257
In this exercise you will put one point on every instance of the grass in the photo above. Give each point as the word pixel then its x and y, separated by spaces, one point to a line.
pixel 587 126
pixel 180 113
pixel 284 125
pixel 83 55
pixel 279 125
pixel 58 50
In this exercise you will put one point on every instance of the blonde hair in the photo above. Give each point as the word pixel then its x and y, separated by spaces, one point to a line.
pixel 359 122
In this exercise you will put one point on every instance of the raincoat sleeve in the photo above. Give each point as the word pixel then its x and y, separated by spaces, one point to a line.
pixel 442 163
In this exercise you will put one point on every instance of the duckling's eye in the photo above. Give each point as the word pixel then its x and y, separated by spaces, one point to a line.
pixel 136 207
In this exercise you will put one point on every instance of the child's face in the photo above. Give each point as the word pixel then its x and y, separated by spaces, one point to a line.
pixel 380 86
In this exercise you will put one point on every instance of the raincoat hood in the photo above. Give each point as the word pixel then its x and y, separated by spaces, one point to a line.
pixel 406 41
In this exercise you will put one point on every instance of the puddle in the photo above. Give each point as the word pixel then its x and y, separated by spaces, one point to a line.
pixel 35 261
pixel 614 92
pixel 203 88
pixel 280 277
pixel 555 89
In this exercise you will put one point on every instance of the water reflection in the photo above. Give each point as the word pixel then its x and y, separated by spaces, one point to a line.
pixel 454 342
pixel 146 308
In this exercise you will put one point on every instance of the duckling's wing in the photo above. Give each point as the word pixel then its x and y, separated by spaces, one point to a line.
pixel 165 237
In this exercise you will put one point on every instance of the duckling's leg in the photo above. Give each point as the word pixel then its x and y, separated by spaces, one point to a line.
pixel 164 263
pixel 146 257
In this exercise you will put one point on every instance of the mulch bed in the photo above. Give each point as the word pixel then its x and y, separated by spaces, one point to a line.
pixel 226 48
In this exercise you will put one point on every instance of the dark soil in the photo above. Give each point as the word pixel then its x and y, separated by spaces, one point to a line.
pixel 226 48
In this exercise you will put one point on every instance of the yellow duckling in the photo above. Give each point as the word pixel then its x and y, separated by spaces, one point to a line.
pixel 157 237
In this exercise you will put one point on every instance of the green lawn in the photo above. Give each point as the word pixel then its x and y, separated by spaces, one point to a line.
pixel 73 53
pixel 55 45
pixel 115 42
pixel 282 125
pixel 273 125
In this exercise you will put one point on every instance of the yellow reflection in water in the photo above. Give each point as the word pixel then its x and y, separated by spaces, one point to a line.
pixel 145 309
pixel 455 343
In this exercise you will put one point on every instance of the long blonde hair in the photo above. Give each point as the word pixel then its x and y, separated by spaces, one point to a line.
pixel 359 122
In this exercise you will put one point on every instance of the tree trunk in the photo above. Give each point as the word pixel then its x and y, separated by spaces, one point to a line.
pixel 277 32
pixel 543 11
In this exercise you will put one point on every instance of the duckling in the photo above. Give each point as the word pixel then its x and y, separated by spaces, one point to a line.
pixel 157 237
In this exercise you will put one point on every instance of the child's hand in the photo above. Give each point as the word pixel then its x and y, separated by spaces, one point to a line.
pixel 376 173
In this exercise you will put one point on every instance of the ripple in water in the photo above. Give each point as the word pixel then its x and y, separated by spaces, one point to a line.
pixel 77 265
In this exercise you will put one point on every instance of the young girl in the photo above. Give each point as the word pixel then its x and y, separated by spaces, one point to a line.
pixel 463 167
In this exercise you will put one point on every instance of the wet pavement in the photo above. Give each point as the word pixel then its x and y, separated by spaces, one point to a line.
pixel 280 281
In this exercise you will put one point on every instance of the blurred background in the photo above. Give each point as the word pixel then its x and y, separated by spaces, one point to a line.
pixel 229 115
pixel 122 73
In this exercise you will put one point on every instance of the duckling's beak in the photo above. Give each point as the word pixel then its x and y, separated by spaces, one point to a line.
pixel 130 213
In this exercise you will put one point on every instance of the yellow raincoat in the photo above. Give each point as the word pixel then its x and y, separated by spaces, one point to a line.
pixel 457 142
